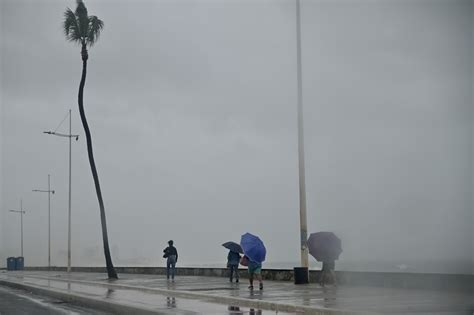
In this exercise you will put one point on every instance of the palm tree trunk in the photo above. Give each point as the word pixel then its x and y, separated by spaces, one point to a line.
pixel 108 259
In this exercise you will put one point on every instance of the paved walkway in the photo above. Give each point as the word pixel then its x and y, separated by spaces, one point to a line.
pixel 211 295
pixel 21 302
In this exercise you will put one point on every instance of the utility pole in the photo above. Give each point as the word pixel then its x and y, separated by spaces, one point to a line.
pixel 21 212
pixel 70 136
pixel 49 191
pixel 301 162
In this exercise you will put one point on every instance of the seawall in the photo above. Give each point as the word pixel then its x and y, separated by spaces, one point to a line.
pixel 378 279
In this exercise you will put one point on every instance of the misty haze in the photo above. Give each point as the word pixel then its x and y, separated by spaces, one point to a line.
pixel 192 106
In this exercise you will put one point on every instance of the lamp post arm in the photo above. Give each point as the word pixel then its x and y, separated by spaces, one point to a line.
pixel 61 134
pixel 39 190
pixel 18 211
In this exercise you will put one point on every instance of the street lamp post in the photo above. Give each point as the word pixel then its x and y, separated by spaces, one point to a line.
pixel 301 163
pixel 70 136
pixel 21 212
pixel 49 191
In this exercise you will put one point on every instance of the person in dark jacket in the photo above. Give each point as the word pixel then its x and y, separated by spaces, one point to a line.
pixel 171 255
pixel 233 259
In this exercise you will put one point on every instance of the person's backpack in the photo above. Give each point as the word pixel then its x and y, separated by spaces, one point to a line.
pixel 166 253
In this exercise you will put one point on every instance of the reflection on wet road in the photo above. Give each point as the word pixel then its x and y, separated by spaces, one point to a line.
pixel 198 295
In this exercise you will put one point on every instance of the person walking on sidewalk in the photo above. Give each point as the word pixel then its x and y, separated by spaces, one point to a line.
pixel 233 259
pixel 327 272
pixel 171 255
pixel 255 271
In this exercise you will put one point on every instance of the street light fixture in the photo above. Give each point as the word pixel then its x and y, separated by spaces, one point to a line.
pixel 49 191
pixel 21 212
pixel 70 136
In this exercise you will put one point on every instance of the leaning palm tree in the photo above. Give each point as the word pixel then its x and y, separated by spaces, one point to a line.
pixel 85 30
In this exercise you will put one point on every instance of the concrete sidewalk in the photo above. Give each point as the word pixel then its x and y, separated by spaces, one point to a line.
pixel 211 295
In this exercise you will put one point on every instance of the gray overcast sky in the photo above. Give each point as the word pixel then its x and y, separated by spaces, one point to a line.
pixel 192 107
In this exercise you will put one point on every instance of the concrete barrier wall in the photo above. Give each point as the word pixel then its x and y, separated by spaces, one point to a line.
pixel 378 279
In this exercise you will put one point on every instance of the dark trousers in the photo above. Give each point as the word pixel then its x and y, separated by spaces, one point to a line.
pixel 171 266
pixel 234 269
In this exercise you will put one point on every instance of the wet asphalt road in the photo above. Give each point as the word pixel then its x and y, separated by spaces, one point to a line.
pixel 18 302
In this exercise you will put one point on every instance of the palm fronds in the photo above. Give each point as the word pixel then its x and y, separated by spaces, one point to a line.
pixel 81 28
pixel 71 27
pixel 95 26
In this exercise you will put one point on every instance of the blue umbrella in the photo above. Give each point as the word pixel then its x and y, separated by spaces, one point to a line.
pixel 253 247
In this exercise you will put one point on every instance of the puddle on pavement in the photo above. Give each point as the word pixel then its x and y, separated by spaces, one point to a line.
pixel 354 298
pixel 238 310
pixel 212 289
pixel 150 300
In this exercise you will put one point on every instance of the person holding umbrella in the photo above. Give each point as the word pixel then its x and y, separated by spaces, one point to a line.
pixel 327 272
pixel 254 255
pixel 233 259
pixel 325 247
pixel 255 271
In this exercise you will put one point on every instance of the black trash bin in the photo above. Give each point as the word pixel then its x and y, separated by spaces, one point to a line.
pixel 301 275
pixel 11 263
pixel 19 263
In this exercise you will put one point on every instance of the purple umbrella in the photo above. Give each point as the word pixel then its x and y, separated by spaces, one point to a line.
pixel 324 246
pixel 253 247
